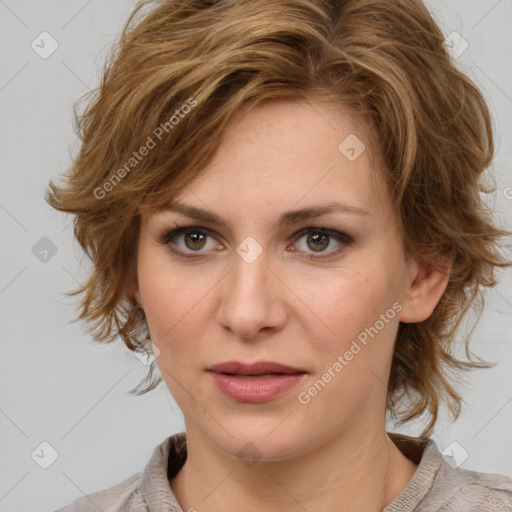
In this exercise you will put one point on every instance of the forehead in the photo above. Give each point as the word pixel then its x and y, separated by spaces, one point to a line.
pixel 300 128
pixel 286 153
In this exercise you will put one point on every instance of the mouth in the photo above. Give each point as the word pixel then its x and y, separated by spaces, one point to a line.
pixel 259 376
pixel 256 382
pixel 257 369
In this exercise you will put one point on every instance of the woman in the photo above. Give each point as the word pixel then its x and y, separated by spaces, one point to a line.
pixel 281 200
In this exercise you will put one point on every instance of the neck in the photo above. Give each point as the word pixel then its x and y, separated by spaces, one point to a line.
pixel 362 469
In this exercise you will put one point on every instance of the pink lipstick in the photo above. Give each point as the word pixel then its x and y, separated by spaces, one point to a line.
pixel 255 382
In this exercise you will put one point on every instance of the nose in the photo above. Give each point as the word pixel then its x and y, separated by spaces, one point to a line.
pixel 252 299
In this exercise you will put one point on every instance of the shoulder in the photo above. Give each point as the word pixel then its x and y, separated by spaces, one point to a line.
pixel 462 490
pixel 147 490
pixel 440 485
pixel 123 496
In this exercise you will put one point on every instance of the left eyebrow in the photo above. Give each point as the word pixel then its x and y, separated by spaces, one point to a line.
pixel 295 216
pixel 286 218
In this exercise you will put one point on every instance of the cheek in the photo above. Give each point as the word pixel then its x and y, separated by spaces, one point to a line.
pixel 354 361
pixel 166 292
pixel 347 301
pixel 174 317
pixel 353 344
pixel 177 306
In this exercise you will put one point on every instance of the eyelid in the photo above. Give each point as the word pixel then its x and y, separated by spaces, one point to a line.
pixel 170 233
pixel 334 233
pixel 344 239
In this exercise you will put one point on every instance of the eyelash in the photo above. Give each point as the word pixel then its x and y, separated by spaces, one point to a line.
pixel 171 233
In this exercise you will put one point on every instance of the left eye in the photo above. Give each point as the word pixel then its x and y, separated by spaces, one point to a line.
pixel 316 240
pixel 195 239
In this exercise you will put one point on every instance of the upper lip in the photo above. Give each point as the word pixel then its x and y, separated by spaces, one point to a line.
pixel 257 368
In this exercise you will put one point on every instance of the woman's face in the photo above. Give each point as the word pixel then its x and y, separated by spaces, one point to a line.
pixel 322 294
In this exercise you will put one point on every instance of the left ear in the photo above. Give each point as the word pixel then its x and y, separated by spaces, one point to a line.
pixel 426 288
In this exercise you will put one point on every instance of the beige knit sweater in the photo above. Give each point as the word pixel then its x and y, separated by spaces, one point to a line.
pixel 435 487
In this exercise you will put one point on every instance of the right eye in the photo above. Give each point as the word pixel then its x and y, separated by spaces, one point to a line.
pixel 192 238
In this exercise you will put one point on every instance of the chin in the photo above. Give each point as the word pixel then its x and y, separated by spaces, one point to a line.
pixel 266 441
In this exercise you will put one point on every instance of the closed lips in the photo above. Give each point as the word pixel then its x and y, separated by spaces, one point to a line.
pixel 262 368
pixel 259 374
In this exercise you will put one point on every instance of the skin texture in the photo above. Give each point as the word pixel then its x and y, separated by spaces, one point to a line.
pixel 284 307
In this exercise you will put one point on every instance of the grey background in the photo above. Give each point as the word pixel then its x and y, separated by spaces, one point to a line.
pixel 56 384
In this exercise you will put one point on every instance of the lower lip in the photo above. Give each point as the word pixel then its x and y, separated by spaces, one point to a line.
pixel 255 390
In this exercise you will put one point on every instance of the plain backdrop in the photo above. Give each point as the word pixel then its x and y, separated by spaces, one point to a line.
pixel 61 389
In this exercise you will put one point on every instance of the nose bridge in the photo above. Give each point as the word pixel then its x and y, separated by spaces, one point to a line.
pixel 250 299
pixel 250 277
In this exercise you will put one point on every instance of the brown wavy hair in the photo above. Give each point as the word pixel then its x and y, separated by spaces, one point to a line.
pixel 183 69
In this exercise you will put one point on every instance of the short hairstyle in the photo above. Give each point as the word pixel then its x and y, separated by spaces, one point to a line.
pixel 178 76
